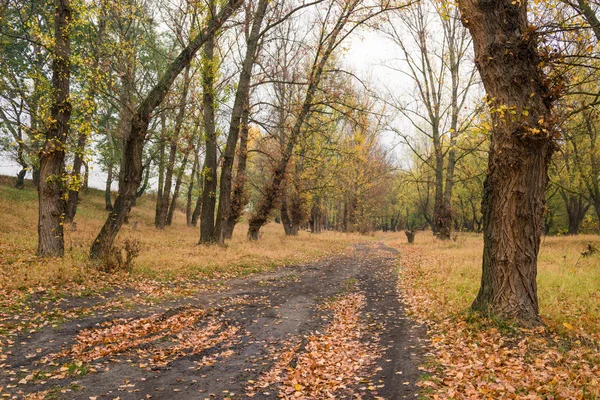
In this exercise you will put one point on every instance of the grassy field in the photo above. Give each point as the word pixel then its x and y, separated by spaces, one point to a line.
pixel 474 357
pixel 568 283
pixel 165 255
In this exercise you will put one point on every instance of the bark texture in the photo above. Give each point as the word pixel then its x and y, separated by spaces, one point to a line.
pixel 507 58
pixel 52 156
pixel 209 172
pixel 239 197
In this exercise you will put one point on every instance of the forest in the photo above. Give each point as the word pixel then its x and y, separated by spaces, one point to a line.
pixel 170 165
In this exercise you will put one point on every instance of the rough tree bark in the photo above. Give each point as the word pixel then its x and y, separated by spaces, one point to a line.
pixel 107 196
pixel 239 197
pixel 209 171
pixel 132 175
pixel 522 143
pixel 52 156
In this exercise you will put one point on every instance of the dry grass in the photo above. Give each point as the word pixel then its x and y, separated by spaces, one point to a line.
pixel 568 284
pixel 474 357
pixel 171 254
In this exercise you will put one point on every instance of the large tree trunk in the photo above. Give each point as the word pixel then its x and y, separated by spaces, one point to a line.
pixel 163 212
pixel 20 182
pixel 438 204
pixel 209 172
pixel 285 215
pixel 521 146
pixel 577 208
pixel 241 98
pixel 593 183
pixel 132 175
pixel 239 197
pixel 52 156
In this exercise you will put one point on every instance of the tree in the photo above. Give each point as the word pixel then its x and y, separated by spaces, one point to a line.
pixel 52 155
pixel 337 23
pixel 209 171
pixel 522 143
pixel 236 123
pixel 24 29
pixel 131 174
pixel 443 81
pixel 85 126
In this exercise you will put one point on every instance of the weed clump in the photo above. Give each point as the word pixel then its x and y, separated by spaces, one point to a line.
pixel 121 257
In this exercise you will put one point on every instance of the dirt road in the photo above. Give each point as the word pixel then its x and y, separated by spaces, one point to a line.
pixel 331 329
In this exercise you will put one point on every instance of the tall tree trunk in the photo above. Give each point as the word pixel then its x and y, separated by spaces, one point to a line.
pixel 20 182
pixel 142 189
pixel 73 199
pixel 161 168
pixel 593 183
pixel 239 197
pixel 163 212
pixel 198 207
pixel 52 156
pixel 173 204
pixel 132 174
pixel 507 58
pixel 438 203
pixel 285 215
pixel 190 192
pixel 86 176
pixel 209 172
pixel 241 97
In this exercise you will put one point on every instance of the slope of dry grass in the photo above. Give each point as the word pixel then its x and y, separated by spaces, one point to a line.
pixel 171 254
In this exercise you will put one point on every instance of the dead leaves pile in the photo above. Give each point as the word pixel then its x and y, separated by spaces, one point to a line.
pixel 159 339
pixel 474 360
pixel 331 363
